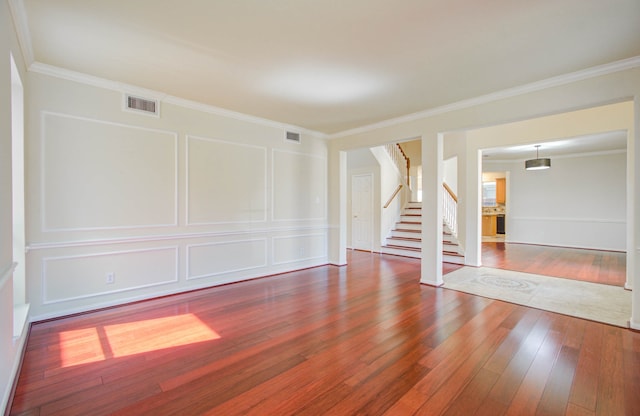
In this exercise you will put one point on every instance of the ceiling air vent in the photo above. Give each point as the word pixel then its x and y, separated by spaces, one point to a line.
pixel 142 105
pixel 293 137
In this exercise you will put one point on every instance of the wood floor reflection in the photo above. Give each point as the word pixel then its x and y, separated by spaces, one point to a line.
pixel 596 266
pixel 362 339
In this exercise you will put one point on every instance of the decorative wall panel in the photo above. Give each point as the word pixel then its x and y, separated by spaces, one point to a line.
pixel 299 186
pixel 226 182
pixel 76 277
pixel 299 247
pixel 211 259
pixel 97 174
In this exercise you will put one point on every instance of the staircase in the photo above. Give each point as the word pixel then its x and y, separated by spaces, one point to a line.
pixel 406 238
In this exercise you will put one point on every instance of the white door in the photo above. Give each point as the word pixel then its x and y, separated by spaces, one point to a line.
pixel 362 212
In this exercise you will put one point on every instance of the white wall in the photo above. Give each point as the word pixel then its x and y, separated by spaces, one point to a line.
pixel 579 202
pixel 450 173
pixel 10 345
pixel 390 179
pixel 187 200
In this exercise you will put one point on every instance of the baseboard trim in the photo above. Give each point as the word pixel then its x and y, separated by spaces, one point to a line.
pixel 17 367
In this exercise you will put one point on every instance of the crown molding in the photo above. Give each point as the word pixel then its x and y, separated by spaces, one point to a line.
pixel 593 72
pixel 99 82
pixel 20 21
pixel 567 156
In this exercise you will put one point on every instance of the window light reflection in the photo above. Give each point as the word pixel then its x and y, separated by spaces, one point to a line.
pixel 120 340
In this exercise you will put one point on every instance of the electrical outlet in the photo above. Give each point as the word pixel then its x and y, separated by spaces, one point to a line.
pixel 110 278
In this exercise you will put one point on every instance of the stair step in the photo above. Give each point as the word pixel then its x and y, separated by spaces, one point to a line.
pixel 413 243
pixel 406 233
pixel 415 219
pixel 401 252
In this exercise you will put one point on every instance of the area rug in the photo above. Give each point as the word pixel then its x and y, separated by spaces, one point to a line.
pixel 596 302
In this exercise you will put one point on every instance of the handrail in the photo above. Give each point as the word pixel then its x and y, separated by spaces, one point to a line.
pixel 400 160
pixel 407 162
pixel 450 209
pixel 395 193
pixel 450 191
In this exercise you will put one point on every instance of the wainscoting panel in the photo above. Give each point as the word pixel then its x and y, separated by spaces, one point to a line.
pixel 98 174
pixel 226 182
pixel 211 259
pixel 82 276
pixel 299 186
pixel 297 248
pixel 590 233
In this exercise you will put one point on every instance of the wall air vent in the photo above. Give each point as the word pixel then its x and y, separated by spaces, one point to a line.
pixel 142 105
pixel 292 136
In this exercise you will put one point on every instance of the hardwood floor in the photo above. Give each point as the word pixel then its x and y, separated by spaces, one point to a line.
pixel 605 267
pixel 362 339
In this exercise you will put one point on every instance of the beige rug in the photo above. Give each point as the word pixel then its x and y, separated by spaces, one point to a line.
pixel 596 302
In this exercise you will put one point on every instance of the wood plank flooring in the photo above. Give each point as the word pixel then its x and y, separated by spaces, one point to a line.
pixel 362 339
pixel 604 267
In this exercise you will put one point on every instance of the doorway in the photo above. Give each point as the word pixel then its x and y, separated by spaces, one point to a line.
pixel 362 212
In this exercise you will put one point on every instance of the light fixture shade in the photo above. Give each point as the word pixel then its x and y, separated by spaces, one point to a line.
pixel 537 164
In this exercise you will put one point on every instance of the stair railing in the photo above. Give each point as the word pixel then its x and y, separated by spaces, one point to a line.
pixel 395 193
pixel 400 159
pixel 450 209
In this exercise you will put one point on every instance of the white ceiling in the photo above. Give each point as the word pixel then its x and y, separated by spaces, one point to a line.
pixel 329 65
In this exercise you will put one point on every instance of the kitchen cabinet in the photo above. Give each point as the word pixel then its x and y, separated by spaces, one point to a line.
pixel 489 225
pixel 501 190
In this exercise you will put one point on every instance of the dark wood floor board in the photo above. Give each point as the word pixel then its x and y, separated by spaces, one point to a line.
pixel 450 355
pixel 584 390
pixel 450 390
pixel 555 397
pixel 611 389
pixel 531 387
pixel 468 336
pixel 367 338
pixel 575 410
pixel 392 375
pixel 514 341
pixel 511 376
pixel 474 393
pixel 605 267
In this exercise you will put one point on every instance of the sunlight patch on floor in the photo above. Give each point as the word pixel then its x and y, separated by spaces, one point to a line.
pixel 100 343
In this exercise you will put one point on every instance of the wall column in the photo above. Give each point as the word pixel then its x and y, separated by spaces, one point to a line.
pixel 337 207
pixel 432 166
pixel 471 212
pixel 633 245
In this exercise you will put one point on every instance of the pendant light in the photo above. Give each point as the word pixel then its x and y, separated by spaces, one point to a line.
pixel 537 163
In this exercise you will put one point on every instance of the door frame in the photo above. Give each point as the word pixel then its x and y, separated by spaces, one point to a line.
pixel 371 210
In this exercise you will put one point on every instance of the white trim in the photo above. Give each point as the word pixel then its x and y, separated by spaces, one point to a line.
pixel 21 23
pixel 559 219
pixel 273 251
pixel 57 72
pixel 7 273
pixel 187 192
pixel 163 237
pixel 592 72
pixel 551 156
pixel 189 246
pixel 273 186
pixel 19 348
pixel 107 292
pixel 43 142
pixel 20 319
